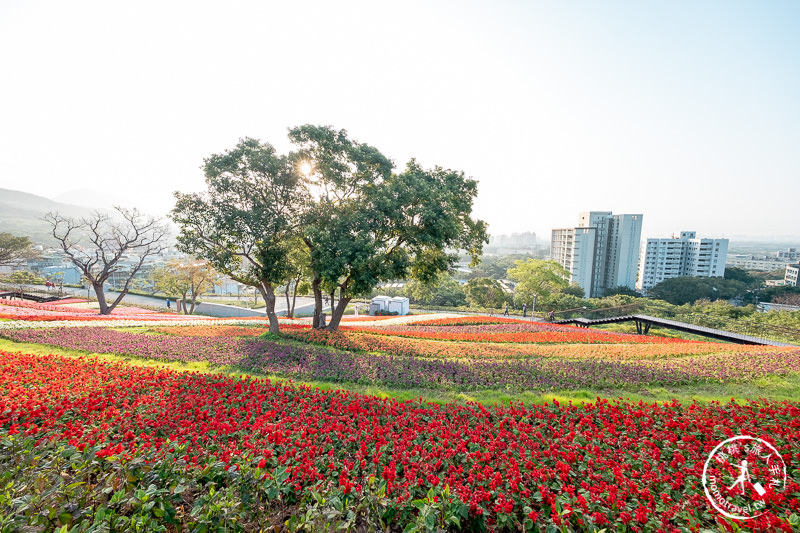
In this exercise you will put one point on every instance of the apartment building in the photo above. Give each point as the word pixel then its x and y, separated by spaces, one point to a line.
pixel 601 252
pixel 792 275
pixel 681 255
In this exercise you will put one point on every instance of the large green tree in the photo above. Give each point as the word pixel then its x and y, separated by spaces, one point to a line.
pixel 688 289
pixel 14 250
pixel 495 267
pixel 485 293
pixel 367 225
pixel 185 280
pixel 242 224
pixel 537 277
pixel 444 291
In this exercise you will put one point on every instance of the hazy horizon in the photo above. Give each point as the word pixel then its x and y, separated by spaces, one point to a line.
pixel 685 113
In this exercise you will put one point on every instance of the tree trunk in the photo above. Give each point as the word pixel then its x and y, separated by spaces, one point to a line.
pixel 317 303
pixel 333 301
pixel 294 297
pixel 336 317
pixel 101 299
pixel 268 293
pixel 182 304
pixel 289 310
pixel 193 292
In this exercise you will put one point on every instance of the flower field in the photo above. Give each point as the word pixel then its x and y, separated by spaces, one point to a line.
pixel 168 450
pixel 29 311
pixel 369 360
pixel 604 465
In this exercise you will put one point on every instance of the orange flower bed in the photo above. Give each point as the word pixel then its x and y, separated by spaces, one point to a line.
pixel 212 331
pixel 579 335
pixel 348 340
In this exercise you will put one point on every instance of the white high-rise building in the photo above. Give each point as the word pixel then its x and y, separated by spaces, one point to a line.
pixel 602 252
pixel 792 276
pixel 682 255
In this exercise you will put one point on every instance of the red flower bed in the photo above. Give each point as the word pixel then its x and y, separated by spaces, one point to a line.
pixel 614 465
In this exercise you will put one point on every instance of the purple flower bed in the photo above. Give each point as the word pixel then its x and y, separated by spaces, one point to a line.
pixel 316 363
pixel 534 327
pixel 215 350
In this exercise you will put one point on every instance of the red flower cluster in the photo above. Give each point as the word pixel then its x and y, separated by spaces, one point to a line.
pixel 606 464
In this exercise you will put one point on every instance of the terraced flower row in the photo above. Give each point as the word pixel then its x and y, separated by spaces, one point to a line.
pixel 413 347
pixel 473 321
pixel 571 335
pixel 212 331
pixel 33 311
pixel 53 306
pixel 309 363
pixel 606 465
pixel 319 363
pixel 519 327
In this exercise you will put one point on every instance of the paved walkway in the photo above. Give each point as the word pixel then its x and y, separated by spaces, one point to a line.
pixel 647 321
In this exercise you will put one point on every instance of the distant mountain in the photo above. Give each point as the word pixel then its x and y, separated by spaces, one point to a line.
pixel 88 197
pixel 21 214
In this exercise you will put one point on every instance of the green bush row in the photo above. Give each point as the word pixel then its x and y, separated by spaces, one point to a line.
pixel 53 486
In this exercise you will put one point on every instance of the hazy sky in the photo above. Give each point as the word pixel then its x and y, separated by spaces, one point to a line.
pixel 687 112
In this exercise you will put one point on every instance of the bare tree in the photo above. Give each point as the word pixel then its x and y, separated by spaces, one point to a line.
pixel 787 299
pixel 97 244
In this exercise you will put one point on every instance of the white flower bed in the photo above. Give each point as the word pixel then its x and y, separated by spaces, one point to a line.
pixel 132 322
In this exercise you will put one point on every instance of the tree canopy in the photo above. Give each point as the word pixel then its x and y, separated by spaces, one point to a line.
pixel 369 225
pixel 185 279
pixel 486 293
pixel 361 223
pixel 243 222
pixel 15 249
pixel 622 290
pixel 444 291
pixel 494 266
pixel 689 289
pixel 742 275
pixel 535 276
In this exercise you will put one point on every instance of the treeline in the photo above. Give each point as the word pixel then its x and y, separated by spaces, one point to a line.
pixel 525 283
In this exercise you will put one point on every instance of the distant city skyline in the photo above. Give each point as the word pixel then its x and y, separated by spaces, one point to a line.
pixel 684 112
